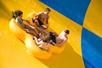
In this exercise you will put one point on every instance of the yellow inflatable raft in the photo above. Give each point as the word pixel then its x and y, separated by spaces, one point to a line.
pixel 33 49
pixel 56 49
pixel 20 33
pixel 29 42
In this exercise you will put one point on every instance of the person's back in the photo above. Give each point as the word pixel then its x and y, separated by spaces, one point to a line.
pixel 43 17
pixel 62 38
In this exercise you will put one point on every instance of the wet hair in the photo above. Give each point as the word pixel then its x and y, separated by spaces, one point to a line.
pixel 52 37
pixel 48 9
pixel 16 13
pixel 67 31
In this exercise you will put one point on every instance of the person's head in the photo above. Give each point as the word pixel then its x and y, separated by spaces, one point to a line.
pixel 47 10
pixel 17 13
pixel 52 33
pixel 66 31
pixel 52 37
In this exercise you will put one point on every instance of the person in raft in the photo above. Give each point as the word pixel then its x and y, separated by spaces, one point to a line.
pixel 24 24
pixel 62 38
pixel 42 44
pixel 58 40
pixel 52 39
pixel 41 20
pixel 45 44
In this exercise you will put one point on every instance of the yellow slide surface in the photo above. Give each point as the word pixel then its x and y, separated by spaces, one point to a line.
pixel 13 51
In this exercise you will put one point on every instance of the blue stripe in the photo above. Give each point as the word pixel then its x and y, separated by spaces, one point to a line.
pixel 73 9
pixel 91 49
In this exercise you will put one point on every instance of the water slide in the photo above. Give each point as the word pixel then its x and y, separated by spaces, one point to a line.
pixel 83 48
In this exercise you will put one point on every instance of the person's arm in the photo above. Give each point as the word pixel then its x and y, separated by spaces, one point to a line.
pixel 27 23
pixel 19 25
pixel 62 42
pixel 34 20
pixel 17 22
pixel 46 22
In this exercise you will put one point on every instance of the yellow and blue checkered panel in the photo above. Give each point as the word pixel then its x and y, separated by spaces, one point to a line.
pixel 87 14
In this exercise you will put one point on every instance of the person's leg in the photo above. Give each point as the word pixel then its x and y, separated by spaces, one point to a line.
pixel 32 31
pixel 44 31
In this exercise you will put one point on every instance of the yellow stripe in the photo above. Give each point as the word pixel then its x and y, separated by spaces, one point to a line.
pixel 93 18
